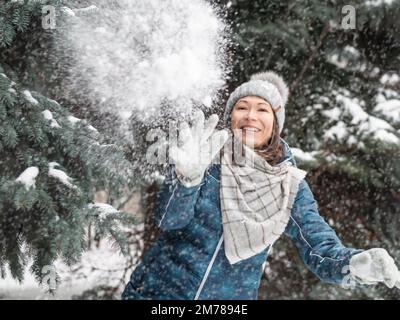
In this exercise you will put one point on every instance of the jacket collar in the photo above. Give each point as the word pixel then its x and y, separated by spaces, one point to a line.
pixel 287 154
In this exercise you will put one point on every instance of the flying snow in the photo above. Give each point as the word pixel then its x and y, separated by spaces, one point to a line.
pixel 135 57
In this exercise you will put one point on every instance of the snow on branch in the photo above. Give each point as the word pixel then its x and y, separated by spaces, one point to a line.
pixel 29 97
pixel 60 175
pixel 104 209
pixel 28 176
pixel 49 116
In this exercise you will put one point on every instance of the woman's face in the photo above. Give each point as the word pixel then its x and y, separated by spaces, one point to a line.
pixel 252 121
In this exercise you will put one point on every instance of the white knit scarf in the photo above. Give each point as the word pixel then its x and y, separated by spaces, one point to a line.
pixel 256 201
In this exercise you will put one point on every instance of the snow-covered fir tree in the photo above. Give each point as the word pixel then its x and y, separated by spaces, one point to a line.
pixel 51 163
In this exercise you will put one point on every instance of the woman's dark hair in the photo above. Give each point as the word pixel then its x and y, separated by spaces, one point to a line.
pixel 273 151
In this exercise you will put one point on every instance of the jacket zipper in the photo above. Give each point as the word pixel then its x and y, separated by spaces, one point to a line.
pixel 203 281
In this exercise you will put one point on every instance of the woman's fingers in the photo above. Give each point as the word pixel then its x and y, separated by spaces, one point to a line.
pixel 209 127
pixel 363 266
pixel 390 271
pixel 218 140
pixel 184 133
pixel 397 284
pixel 383 266
pixel 195 151
pixel 198 124
pixel 174 154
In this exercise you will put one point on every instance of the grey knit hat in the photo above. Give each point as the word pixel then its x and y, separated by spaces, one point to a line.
pixel 267 85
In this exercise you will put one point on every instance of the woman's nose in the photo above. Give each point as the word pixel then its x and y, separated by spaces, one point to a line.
pixel 252 114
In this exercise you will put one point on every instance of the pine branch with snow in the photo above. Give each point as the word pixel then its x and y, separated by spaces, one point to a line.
pixel 50 164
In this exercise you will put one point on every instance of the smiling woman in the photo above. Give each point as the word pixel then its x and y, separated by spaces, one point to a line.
pixel 253 116
pixel 219 221
pixel 254 121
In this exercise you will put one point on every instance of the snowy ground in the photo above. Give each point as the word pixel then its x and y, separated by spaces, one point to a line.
pixel 103 265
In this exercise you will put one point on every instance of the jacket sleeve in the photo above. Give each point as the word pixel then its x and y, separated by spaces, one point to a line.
pixel 175 203
pixel 319 247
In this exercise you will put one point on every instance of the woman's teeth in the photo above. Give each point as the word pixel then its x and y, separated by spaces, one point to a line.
pixel 251 129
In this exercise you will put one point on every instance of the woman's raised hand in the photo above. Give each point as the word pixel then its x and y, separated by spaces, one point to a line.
pixel 197 147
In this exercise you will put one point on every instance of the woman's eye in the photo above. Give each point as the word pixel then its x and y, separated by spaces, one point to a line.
pixel 264 110
pixel 241 108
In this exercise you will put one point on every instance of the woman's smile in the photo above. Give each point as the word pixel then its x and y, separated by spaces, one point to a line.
pixel 252 120
pixel 250 128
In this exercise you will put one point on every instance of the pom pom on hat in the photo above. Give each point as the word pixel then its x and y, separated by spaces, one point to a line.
pixel 276 80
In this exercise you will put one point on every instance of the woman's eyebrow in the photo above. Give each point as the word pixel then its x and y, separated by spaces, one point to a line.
pixel 243 100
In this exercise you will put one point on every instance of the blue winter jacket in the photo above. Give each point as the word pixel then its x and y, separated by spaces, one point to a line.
pixel 188 260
